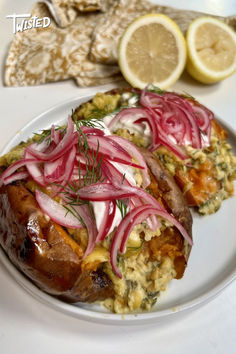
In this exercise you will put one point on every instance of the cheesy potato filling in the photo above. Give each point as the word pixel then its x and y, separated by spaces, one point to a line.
pixel 142 277
pixel 142 280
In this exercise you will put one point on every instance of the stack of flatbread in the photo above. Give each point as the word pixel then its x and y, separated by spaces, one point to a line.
pixel 81 41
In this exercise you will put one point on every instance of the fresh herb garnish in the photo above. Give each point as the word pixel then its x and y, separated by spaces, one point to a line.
pixel 90 123
pixel 73 202
pixel 71 210
pixel 121 204
pixel 46 134
pixel 156 89
pixel 42 136
pixel 99 113
pixel 90 174
pixel 122 207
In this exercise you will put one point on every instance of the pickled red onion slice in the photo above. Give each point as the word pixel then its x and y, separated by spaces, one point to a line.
pixel 84 212
pixel 108 217
pixel 14 167
pixel 66 143
pixel 16 177
pixel 56 211
pixel 135 153
pixel 174 121
pixel 103 192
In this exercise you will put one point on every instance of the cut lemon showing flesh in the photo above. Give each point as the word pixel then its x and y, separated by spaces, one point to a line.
pixel 152 50
pixel 211 46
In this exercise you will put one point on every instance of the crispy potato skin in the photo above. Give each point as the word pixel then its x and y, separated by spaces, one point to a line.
pixel 43 250
pixel 169 243
pixel 171 193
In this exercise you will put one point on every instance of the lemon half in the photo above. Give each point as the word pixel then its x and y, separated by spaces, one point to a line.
pixel 152 50
pixel 211 46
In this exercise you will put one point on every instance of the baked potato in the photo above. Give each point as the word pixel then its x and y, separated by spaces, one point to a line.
pixel 77 255
pixel 44 251
pixel 183 134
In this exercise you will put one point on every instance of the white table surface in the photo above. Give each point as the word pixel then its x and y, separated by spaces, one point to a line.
pixel 27 326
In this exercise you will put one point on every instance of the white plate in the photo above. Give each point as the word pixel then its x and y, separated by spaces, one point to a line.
pixel 211 267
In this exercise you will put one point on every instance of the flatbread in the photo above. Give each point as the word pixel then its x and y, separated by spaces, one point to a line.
pixel 96 81
pixel 66 11
pixel 98 74
pixel 108 31
pixel 42 55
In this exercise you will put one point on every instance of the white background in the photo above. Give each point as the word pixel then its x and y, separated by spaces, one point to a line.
pixel 27 326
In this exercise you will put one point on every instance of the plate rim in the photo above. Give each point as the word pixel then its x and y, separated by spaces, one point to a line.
pixel 89 315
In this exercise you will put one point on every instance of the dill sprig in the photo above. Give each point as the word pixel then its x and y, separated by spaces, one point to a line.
pixel 91 175
pixel 121 204
pixel 92 123
pixel 72 210
pixel 122 207
pixel 156 89
pixel 40 137
pixel 72 202
pixel 98 113
pixel 46 134
pixel 93 161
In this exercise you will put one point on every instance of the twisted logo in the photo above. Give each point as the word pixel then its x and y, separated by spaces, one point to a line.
pixel 24 24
